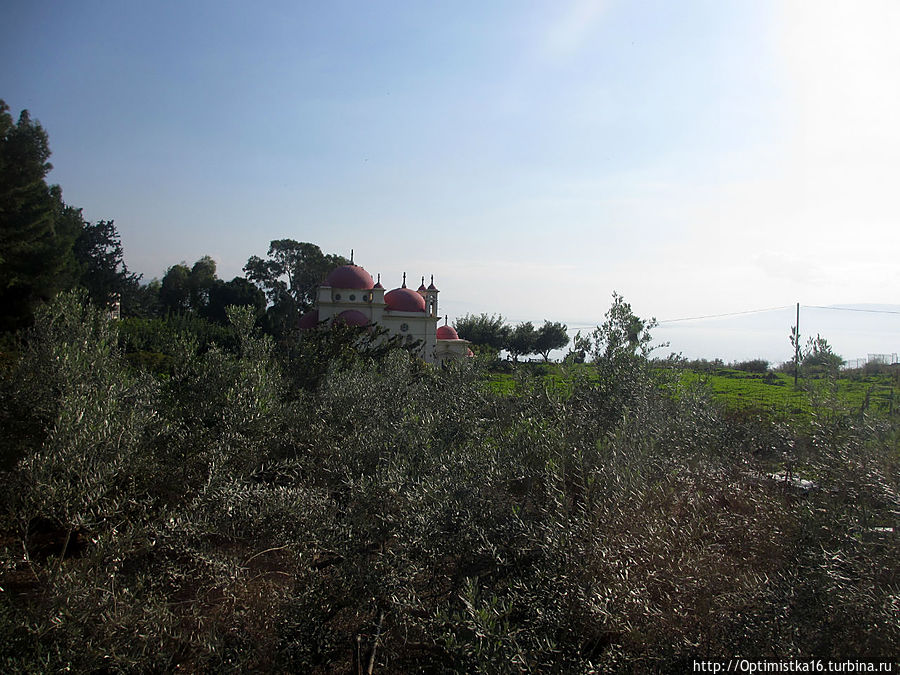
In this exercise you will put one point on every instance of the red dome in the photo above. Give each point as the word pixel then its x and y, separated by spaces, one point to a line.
pixel 350 276
pixel 404 300
pixel 353 317
pixel 309 320
pixel 447 333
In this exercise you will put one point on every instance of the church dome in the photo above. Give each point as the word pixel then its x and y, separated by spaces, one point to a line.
pixel 309 319
pixel 447 333
pixel 350 276
pixel 404 300
pixel 353 317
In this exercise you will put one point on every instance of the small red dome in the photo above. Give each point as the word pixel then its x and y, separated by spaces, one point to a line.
pixel 404 300
pixel 353 317
pixel 350 276
pixel 447 333
pixel 309 320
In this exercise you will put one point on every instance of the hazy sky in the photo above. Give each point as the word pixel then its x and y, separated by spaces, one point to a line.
pixel 697 157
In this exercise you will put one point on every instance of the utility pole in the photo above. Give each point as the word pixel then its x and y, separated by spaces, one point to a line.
pixel 797 346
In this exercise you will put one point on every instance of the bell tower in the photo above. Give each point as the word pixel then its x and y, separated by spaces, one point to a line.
pixel 431 298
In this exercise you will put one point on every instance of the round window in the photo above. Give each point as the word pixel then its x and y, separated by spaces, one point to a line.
pixel 337 296
pixel 352 297
pixel 404 327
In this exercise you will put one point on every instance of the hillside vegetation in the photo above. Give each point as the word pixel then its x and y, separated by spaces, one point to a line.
pixel 316 510
pixel 772 394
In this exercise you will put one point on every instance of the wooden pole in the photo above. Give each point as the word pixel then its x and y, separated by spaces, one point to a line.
pixel 797 346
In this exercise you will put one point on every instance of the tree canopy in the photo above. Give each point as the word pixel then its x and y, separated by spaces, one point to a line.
pixel 623 334
pixel 521 340
pixel 483 330
pixel 289 277
pixel 292 271
pixel 550 336
pixel 37 229
pixel 818 358
pixel 103 273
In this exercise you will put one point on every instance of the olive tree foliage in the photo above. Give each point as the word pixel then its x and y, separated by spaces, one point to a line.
pixel 117 480
pixel 490 332
pixel 483 330
pixel 818 358
pixel 84 460
pixel 551 335
pixel 226 517
pixel 581 347
pixel 622 336
pixel 521 340
pixel 316 352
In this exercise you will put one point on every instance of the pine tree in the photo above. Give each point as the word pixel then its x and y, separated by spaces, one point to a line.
pixel 37 229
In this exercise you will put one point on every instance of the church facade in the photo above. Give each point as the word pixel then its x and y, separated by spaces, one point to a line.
pixel 350 295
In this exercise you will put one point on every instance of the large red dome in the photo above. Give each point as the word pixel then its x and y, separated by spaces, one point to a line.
pixel 447 333
pixel 404 300
pixel 350 276
pixel 353 317
pixel 309 320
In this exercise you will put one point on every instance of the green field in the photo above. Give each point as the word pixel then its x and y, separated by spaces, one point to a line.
pixel 775 392
pixel 771 392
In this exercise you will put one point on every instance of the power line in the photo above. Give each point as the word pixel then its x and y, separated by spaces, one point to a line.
pixel 718 316
pixel 850 309
pixel 709 316
pixel 752 311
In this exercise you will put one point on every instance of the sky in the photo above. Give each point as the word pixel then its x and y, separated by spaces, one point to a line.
pixel 699 158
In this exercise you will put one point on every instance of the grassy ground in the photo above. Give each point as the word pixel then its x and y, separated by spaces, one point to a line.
pixel 775 392
pixel 770 392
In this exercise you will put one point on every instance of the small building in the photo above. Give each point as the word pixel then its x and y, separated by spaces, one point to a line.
pixel 350 295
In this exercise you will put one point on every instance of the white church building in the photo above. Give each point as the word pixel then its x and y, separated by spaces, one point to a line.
pixel 349 294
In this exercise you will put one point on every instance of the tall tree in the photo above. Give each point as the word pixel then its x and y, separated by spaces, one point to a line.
pixel 289 277
pixel 483 330
pixel 521 340
pixel 142 301
pixel 201 281
pixel 98 250
pixel 186 288
pixel 292 271
pixel 239 291
pixel 550 336
pixel 623 334
pixel 175 289
pixel 37 230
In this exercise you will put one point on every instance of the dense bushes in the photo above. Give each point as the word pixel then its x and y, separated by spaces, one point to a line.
pixel 236 515
pixel 752 366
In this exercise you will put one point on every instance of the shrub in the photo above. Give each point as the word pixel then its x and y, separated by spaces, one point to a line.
pixel 227 518
pixel 751 366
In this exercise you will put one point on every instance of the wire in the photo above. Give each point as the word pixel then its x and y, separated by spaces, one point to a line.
pixel 754 311
pixel 717 316
pixel 851 309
